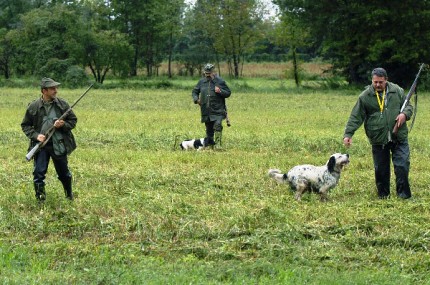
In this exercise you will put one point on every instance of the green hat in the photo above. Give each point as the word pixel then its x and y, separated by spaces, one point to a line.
pixel 48 82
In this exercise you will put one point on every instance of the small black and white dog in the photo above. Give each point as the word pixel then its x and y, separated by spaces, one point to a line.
pixel 307 177
pixel 197 144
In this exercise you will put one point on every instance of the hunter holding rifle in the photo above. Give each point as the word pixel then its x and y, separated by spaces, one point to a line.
pixel 42 114
pixel 380 108
pixel 210 94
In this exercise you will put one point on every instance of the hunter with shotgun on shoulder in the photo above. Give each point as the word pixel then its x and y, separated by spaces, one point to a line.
pixel 384 109
pixel 48 123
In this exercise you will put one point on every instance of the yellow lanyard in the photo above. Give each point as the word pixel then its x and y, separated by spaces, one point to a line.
pixel 380 100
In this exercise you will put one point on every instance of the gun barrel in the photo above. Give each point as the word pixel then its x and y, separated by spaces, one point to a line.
pixel 412 90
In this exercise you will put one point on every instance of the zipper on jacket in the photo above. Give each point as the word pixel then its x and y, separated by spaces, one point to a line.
pixel 209 96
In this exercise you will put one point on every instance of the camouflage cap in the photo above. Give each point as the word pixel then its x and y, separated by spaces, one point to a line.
pixel 209 67
pixel 48 82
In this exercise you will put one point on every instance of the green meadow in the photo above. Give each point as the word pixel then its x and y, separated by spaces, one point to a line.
pixel 148 213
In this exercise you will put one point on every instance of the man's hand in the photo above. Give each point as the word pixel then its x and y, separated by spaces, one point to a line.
pixel 347 141
pixel 58 124
pixel 41 138
pixel 198 102
pixel 400 120
pixel 217 89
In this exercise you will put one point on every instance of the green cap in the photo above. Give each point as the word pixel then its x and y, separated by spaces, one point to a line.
pixel 48 82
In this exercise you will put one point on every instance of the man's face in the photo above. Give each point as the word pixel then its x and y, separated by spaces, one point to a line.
pixel 208 74
pixel 49 93
pixel 379 83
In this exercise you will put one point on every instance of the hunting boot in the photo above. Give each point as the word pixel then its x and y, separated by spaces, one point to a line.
pixel 209 142
pixel 67 185
pixel 218 139
pixel 39 188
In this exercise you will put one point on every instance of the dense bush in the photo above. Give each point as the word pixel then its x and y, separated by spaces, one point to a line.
pixel 64 71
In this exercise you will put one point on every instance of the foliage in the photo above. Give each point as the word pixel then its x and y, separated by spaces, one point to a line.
pixel 360 35
pixel 289 32
pixel 107 50
pixel 76 77
pixel 232 26
pixel 55 68
pixel 148 25
pixel 355 36
pixel 64 71
pixel 147 213
pixel 45 34
pixel 6 53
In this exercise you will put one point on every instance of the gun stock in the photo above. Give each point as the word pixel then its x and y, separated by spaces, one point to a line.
pixel 32 152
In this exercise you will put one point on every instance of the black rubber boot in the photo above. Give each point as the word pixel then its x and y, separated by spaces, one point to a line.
pixel 39 188
pixel 209 141
pixel 67 185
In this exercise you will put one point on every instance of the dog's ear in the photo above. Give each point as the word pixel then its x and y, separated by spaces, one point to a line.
pixel 331 164
pixel 197 143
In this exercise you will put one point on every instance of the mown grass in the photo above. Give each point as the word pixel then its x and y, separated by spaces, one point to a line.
pixel 147 213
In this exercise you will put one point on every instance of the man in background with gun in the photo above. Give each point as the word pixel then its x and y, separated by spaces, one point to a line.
pixel 379 107
pixel 210 94
pixel 41 115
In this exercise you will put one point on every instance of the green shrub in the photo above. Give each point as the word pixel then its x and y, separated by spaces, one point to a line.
pixel 76 77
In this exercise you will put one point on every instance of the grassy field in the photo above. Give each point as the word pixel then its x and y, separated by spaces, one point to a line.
pixel 147 213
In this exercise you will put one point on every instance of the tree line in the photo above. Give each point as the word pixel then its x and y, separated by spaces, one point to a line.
pixel 63 38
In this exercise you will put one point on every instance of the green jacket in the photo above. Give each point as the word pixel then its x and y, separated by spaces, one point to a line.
pixel 212 104
pixel 379 126
pixel 32 123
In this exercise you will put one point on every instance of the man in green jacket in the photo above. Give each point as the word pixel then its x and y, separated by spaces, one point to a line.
pixel 378 107
pixel 210 93
pixel 41 114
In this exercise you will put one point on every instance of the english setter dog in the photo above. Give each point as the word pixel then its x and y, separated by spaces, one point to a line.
pixel 318 179
pixel 197 144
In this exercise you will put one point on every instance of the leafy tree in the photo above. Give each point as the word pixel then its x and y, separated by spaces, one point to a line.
pixel 359 35
pixel 173 26
pixel 10 12
pixel 233 26
pixel 149 27
pixel 107 50
pixel 291 33
pixel 44 34
pixel 194 48
pixel 6 53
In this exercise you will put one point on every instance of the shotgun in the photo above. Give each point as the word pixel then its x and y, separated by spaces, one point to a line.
pixel 408 97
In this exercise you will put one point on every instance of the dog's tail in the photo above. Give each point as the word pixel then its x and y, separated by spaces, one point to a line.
pixel 277 175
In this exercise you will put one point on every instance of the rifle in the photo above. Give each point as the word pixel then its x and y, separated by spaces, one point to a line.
pixel 408 97
pixel 51 130
pixel 227 119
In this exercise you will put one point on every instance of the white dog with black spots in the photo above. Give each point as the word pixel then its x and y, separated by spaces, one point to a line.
pixel 197 144
pixel 318 179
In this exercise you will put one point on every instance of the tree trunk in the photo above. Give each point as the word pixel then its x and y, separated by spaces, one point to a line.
pixel 296 67
pixel 133 71
pixel 236 66
pixel 169 67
